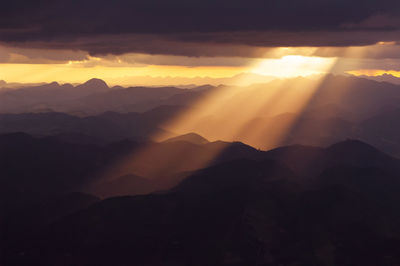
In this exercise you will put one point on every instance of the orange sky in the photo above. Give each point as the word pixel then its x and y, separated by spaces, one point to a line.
pixel 374 72
pixel 31 73
pixel 69 66
pixel 118 73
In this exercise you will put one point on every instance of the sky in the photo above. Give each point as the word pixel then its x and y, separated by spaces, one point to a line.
pixel 124 42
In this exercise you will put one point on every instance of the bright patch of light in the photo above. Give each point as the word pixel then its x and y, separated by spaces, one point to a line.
pixel 293 66
pixel 374 72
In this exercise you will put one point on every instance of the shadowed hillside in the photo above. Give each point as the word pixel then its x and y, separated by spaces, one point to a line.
pixel 244 212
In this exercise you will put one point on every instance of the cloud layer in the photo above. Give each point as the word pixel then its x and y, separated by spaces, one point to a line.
pixel 196 28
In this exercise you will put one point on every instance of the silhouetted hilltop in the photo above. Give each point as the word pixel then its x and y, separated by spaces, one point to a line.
pixel 353 147
pixel 358 153
pixel 383 131
pixel 93 85
pixel 190 137
pixel 312 160
pixel 58 164
pixel 62 164
pixel 94 96
pixel 236 175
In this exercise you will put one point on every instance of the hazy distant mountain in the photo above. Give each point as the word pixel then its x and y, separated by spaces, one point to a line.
pixel 106 127
pixel 320 126
pixel 242 79
pixel 360 97
pixel 51 96
pixel 363 98
pixel 167 163
pixel 94 96
pixel 93 85
pixel 307 129
pixel 46 96
pixel 190 137
pixel 384 125
pixel 333 113
pixel 383 131
pixel 309 161
pixel 383 78
pixel 131 99
pixel 17 85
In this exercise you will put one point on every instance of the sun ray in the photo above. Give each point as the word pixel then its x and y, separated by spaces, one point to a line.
pixel 226 113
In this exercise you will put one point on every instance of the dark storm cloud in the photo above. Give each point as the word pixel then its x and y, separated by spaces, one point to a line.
pixel 159 27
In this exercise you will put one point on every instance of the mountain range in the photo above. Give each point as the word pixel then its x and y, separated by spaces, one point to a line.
pixel 334 205
pixel 84 180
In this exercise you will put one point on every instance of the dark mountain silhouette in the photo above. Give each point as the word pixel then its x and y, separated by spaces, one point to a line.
pixel 124 100
pixel 384 78
pixel 363 98
pixel 49 166
pixel 243 212
pixel 310 161
pixel 108 126
pixel 166 164
pixel 93 85
pixel 190 137
pixel 383 131
pixel 233 175
pixel 24 220
pixel 91 97
pixel 124 185
pixel 52 165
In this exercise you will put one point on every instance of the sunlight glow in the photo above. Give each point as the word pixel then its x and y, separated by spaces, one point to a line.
pixel 293 65
pixel 374 72
pixel 118 72
pixel 238 105
pixel 233 113
pixel 75 72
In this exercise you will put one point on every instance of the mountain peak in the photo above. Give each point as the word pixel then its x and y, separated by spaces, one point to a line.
pixel 95 83
pixel 352 145
pixel 190 137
